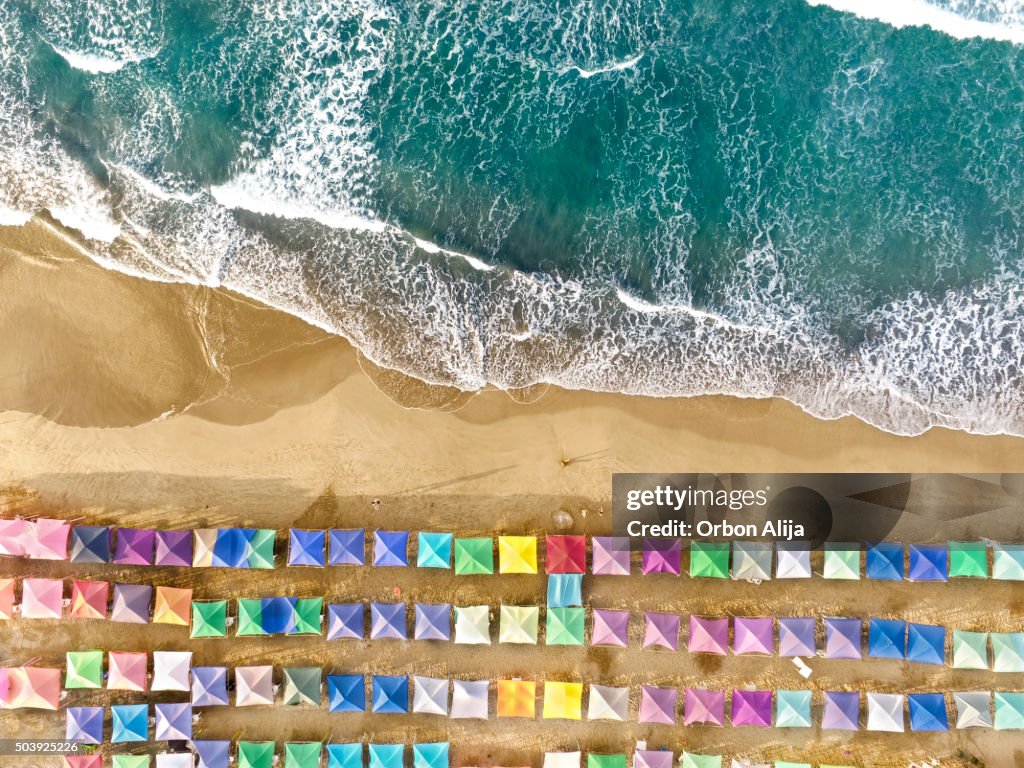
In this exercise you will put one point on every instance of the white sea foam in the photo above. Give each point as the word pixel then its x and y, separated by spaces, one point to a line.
pixel 95 63
pixel 473 261
pixel 616 66
pixel 9 217
pixel 920 13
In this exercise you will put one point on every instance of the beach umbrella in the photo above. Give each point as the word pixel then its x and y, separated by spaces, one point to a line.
pixel 661 556
pixel 29 688
pixel 14 533
pixel 345 755
pixel 203 543
pixel 254 686
pixel 973 709
pixel 606 702
pixel 561 760
pixel 84 761
pixel 131 603
pixel 968 559
pixel 386 756
pixel 751 560
pixel 90 544
pixel 842 711
pixel 173 548
pixel 970 650
pixel 129 761
pixel 430 755
pixel 661 630
pixel 610 628
pixel 517 698
pixel 89 599
pixel 796 637
pixel 171 670
pixel 390 694
pixel 565 554
pixel 473 625
pixel 346 620
pixel 391 548
pixel 430 695
pixel 433 622
pixel 346 693
pixel 884 561
pixel 1008 651
pixel 474 556
pixel 259 549
pixel 843 638
pixel 565 626
pixel 231 548
pixel 84 669
pixel 690 760
pixel 250 617
pixel 565 590
pixel 84 724
pixel 47 539
pixel 790 764
pixel 127 671
pixel 129 722
pixel 657 705
pixel 842 561
pixel 134 546
pixel 213 754
pixel 306 547
pixel 209 686
pixel 887 639
pixel 347 547
pixel 617 760
pixel 387 620
pixel 210 618
pixel 708 635
pixel 885 712
pixel 277 615
pixel 434 550
pixel 926 644
pixel 792 560
pixel 174 760
pixel 793 709
pixel 303 754
pixel 610 556
pixel 704 707
pixel 308 616
pixel 518 624
pixel 42 598
pixel 1009 711
pixel 7 599
pixel 752 635
pixel 927 712
pixel 517 554
pixel 1008 562
pixel 752 708
pixel 173 722
pixel 652 758
pixel 469 699
pixel 709 559
pixel 255 754
pixel 563 701
pixel 302 686
pixel 172 606
pixel 928 563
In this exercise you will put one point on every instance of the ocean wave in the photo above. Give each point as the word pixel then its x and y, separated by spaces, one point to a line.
pixel 98 64
pixel 616 66
pixel 1007 27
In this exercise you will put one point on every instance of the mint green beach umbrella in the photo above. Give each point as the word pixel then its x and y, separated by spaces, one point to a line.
pixel 606 761
pixel 793 709
pixel 709 559
pixel 968 559
pixel 308 616
pixel 250 617
pixel 209 618
pixel 970 650
pixel 260 552
pixel 474 556
pixel 1008 562
pixel 130 761
pixel 690 760
pixel 255 754
pixel 1009 711
pixel 565 626
pixel 842 561
pixel 305 754
pixel 788 764
pixel 84 669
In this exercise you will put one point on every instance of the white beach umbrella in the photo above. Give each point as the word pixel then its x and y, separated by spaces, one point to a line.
pixel 254 686
pixel 175 760
pixel 430 695
pixel 473 625
pixel 171 670
pixel 885 712
pixel 792 563
pixel 751 560
pixel 469 699
pixel 561 760
pixel 973 709
pixel 518 624
pixel 608 703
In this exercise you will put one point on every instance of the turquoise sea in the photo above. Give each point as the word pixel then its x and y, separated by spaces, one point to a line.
pixel 664 197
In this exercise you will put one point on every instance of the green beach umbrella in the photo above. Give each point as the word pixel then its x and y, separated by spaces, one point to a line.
pixel 1008 651
pixel 970 650
pixel 255 754
pixel 304 754
pixel 308 616
pixel 1008 562
pixel 1009 711
pixel 250 617
pixel 709 559
pixel 788 764
pixel 261 548
pixel 84 669
pixel 606 761
pixel 130 761
pixel 690 760
pixel 842 561
pixel 969 559
pixel 210 618
pixel 302 686
pixel 473 556
pixel 565 626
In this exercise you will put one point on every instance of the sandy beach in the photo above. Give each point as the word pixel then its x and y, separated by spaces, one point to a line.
pixel 141 403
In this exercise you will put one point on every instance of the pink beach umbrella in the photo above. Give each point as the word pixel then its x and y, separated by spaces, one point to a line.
pixel 13 534
pixel 708 635
pixel 42 598
pixel 704 707
pixel 752 636
pixel 47 539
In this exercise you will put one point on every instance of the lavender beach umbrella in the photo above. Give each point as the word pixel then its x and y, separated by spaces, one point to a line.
pixel 752 636
pixel 610 556
pixel 708 635
pixel 131 603
pixel 433 622
pixel 661 556
pixel 173 722
pixel 610 628
pixel 173 548
pixel 704 707
pixel 843 638
pixel 796 637
pixel 657 705
pixel 842 711
pixel 661 630
pixel 345 620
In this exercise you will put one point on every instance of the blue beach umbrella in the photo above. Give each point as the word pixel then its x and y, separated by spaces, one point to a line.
pixel 306 548
pixel 277 615
pixel 213 754
pixel 391 548
pixel 90 544
pixel 887 639
pixel 84 724
pixel 346 693
pixel 348 547
pixel 345 620
pixel 230 548
pixel 434 550
pixel 386 756
pixel 129 722
pixel 430 755
pixel 928 563
pixel 387 621
pixel 173 722
pixel 796 637
pixel 209 686
pixel 344 756
pixel 885 561
pixel 565 590
pixel 926 644
pixel 433 622
pixel 390 694
pixel 928 712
